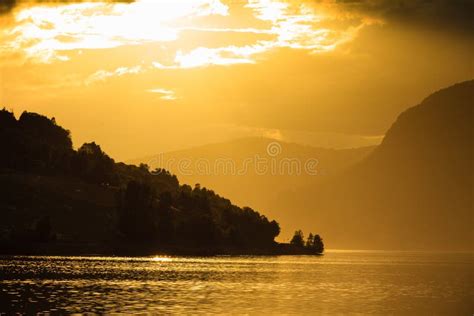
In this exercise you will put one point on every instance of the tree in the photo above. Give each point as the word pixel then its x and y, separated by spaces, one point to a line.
pixel 318 244
pixel 7 119
pixel 40 144
pixel 274 229
pixel 45 130
pixel 93 164
pixel 135 212
pixel 298 239
pixel 144 167
pixel 310 241
pixel 165 225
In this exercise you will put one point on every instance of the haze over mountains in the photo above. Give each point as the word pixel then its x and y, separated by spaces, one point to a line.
pixel 254 171
pixel 414 191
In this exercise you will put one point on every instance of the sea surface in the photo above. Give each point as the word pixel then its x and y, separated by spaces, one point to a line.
pixel 340 282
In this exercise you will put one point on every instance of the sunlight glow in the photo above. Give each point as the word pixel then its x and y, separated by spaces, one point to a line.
pixel 162 259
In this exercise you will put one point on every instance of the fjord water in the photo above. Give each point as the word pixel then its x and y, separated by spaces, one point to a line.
pixel 363 282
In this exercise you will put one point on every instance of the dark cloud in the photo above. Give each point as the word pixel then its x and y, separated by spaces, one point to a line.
pixel 448 15
pixel 8 5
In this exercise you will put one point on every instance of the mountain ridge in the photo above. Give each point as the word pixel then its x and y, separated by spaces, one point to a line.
pixel 417 183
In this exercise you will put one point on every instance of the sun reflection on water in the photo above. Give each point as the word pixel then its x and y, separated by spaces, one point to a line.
pixel 340 283
pixel 162 259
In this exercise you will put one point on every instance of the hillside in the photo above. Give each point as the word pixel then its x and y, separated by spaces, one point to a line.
pixel 415 191
pixel 66 199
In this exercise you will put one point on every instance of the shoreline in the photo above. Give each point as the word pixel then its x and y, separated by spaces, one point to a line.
pixel 136 250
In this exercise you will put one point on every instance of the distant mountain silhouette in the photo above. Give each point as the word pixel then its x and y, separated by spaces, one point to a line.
pixel 415 191
pixel 251 187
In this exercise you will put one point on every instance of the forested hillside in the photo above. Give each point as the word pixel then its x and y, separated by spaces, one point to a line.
pixel 50 192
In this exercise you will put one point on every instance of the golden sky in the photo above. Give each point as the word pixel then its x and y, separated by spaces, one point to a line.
pixel 148 76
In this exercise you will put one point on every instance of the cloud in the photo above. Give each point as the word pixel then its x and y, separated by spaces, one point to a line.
pixel 294 25
pixel 166 94
pixel 102 75
pixel 6 6
pixel 45 33
pixel 204 56
pixel 447 15
pixel 299 25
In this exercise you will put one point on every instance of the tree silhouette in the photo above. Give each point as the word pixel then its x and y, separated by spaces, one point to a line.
pixel 318 244
pixel 165 221
pixel 298 239
pixel 310 240
pixel 135 214
pixel 93 164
